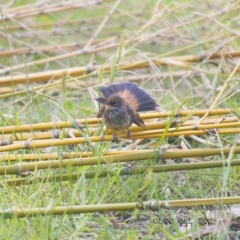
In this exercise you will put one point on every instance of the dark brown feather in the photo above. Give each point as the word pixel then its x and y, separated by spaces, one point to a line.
pixel 101 111
pixel 138 121
pixel 135 117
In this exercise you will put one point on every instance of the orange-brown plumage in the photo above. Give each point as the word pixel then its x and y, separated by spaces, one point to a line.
pixel 130 98
pixel 121 103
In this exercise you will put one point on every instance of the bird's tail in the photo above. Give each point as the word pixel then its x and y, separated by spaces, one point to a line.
pixel 136 96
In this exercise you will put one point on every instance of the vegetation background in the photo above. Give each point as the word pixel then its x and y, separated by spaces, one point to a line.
pixel 55 55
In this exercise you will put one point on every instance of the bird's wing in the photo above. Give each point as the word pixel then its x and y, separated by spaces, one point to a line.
pixel 101 111
pixel 136 118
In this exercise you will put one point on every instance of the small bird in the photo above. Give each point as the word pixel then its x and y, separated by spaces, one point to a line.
pixel 121 102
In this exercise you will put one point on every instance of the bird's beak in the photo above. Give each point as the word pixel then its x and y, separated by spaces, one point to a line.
pixel 101 100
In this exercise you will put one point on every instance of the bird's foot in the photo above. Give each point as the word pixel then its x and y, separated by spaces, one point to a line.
pixel 128 133
pixel 115 138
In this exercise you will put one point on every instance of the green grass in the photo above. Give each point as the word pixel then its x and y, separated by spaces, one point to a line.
pixel 187 92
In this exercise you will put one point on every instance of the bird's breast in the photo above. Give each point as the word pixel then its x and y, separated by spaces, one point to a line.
pixel 117 119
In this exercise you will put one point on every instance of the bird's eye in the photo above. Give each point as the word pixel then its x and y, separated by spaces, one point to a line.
pixel 114 103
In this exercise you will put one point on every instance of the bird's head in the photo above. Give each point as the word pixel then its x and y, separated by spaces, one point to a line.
pixel 113 102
